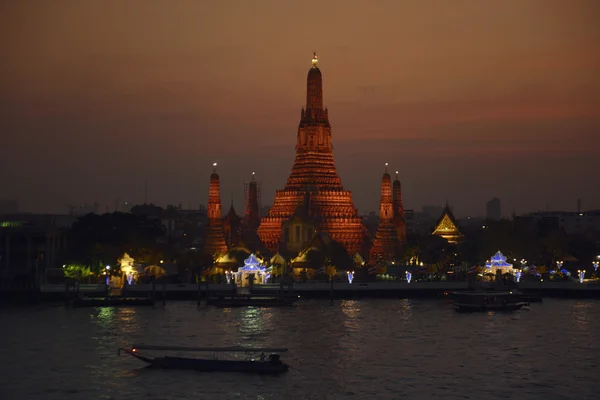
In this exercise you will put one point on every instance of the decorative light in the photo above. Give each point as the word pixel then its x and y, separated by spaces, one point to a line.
pixel 581 275
pixel 108 267
pixel 559 264
pixel 350 276
pixel 214 164
pixel 228 276
pixel 130 278
pixel 595 264
pixel 518 276
pixel 408 276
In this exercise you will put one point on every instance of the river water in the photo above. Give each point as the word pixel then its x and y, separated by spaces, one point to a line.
pixel 369 349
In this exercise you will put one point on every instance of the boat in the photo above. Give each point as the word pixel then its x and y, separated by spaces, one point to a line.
pixel 244 300
pixel 488 301
pixel 270 364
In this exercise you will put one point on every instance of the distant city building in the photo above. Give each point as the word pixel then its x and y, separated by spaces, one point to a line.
pixel 493 209
pixel 30 243
pixel 571 222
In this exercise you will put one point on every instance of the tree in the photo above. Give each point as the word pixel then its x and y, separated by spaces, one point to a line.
pixel 98 240
pixel 330 269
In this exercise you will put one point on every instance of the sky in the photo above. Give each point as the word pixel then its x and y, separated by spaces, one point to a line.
pixel 467 99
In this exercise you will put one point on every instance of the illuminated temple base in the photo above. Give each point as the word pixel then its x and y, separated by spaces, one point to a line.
pixel 386 245
pixel 331 210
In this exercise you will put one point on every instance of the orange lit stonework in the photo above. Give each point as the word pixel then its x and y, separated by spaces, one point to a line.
pixel 386 244
pixel 215 236
pixel 314 182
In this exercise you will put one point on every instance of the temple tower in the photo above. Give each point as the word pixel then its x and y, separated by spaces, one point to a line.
pixel 386 244
pixel 232 227
pixel 399 221
pixel 215 237
pixel 314 179
pixel 252 217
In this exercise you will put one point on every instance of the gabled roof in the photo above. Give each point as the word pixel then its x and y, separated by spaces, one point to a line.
pixel 232 215
pixel 447 227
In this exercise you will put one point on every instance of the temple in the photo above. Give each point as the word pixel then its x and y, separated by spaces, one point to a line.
pixel 313 184
pixel 215 236
pixel 251 219
pixel 399 221
pixel 386 245
pixel 232 227
pixel 447 227
pixel 498 263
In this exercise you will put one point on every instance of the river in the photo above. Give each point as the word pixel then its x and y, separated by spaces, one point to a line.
pixel 365 349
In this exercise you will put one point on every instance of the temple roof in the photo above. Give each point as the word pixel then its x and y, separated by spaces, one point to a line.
pixel 446 226
pixel 231 214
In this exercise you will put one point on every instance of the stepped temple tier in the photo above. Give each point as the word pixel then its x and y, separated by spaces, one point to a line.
pixel 386 246
pixel 215 235
pixel 314 190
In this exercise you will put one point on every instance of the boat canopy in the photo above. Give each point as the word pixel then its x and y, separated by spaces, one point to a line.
pixel 212 349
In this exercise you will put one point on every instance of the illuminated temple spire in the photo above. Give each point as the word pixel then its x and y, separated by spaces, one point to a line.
pixel 386 245
pixel 314 182
pixel 215 236
pixel 399 220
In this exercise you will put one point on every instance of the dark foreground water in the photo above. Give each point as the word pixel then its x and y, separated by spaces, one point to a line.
pixel 371 349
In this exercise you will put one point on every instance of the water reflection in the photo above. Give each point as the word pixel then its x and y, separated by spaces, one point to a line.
pixel 106 316
pixel 254 323
pixel 352 349
pixel 351 310
pixel 580 316
pixel 405 309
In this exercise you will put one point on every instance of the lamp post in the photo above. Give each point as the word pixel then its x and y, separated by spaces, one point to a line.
pixel 581 273
pixel 350 276
pixel 595 264
pixel 559 265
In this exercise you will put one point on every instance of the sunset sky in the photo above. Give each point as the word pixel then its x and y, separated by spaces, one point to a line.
pixel 469 99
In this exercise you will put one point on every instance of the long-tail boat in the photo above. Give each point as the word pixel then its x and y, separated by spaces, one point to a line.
pixel 264 364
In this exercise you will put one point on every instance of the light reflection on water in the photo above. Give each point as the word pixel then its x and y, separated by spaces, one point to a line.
pixel 358 349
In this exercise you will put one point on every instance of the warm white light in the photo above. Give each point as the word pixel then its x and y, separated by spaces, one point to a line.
pixel 108 267
pixel 214 164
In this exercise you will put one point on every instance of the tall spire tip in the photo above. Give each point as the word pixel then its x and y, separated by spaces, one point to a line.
pixel 315 60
